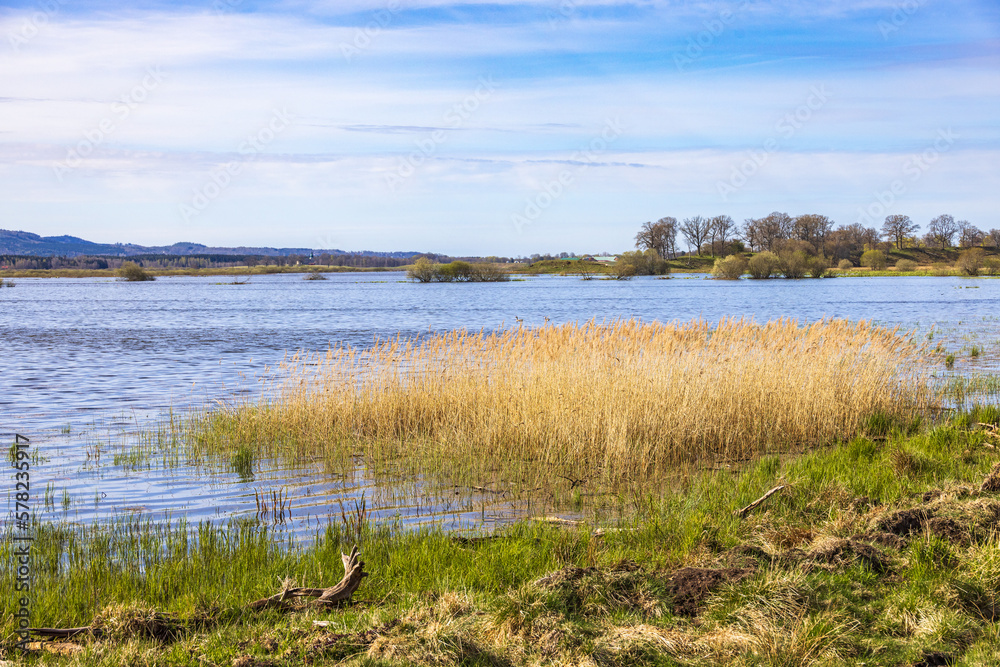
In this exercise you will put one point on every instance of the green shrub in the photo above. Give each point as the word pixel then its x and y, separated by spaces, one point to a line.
pixel 941 269
pixel 422 271
pixel 486 272
pixel 622 271
pixel 763 265
pixel 992 266
pixel 729 268
pixel 874 259
pixel 906 265
pixel 426 271
pixel 819 267
pixel 133 273
pixel 970 262
pixel 845 265
pixel 647 263
pixel 794 264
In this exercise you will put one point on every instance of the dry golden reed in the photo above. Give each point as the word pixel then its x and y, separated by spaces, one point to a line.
pixel 620 402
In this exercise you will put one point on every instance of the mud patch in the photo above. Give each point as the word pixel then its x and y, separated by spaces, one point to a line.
pixel 904 522
pixel 935 659
pixel 949 529
pixel 887 540
pixel 846 552
pixel 689 586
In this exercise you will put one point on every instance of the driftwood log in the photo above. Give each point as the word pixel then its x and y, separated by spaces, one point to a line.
pixel 752 506
pixel 354 572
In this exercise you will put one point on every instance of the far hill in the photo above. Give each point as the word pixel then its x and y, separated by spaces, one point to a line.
pixel 27 243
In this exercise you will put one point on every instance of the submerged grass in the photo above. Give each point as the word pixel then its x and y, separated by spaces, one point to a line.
pixel 617 404
pixel 859 560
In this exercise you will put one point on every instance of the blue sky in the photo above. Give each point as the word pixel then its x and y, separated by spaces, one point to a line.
pixel 489 127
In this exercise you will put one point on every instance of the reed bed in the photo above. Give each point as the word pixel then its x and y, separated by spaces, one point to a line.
pixel 618 403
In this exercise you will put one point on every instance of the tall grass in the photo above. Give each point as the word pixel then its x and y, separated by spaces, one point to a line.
pixel 616 404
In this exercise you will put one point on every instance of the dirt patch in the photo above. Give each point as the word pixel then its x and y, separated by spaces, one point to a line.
pixel 847 552
pixel 745 556
pixel 935 659
pixel 949 529
pixel 887 540
pixel 904 522
pixel 992 482
pixel 689 586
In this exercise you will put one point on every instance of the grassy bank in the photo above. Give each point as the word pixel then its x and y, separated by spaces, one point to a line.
pixel 882 549
pixel 621 405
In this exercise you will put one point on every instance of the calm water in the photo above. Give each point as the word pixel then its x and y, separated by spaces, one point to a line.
pixel 86 362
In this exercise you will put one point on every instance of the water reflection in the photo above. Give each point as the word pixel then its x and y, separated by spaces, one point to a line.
pixel 89 364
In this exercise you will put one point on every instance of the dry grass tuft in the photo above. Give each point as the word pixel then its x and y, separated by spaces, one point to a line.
pixel 617 403
pixel 120 621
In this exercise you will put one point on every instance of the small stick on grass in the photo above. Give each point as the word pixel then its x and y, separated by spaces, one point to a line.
pixel 752 506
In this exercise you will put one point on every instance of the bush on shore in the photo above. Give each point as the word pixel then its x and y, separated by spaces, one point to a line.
pixel 874 259
pixel 426 271
pixel 970 262
pixel 819 267
pixel 906 265
pixel 763 265
pixel 729 268
pixel 133 273
pixel 647 263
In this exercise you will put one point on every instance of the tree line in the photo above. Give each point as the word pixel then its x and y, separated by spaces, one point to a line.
pixel 812 233
pixel 207 261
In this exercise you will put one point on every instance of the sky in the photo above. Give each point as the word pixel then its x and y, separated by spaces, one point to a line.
pixel 474 127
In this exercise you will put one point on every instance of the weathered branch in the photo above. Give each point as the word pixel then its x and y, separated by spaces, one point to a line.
pixel 64 632
pixel 354 572
pixel 749 508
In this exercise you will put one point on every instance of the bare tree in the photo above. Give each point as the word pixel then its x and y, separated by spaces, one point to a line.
pixel 723 228
pixel 897 228
pixel 763 233
pixel 969 235
pixel 993 238
pixel 942 230
pixel 660 236
pixel 813 229
pixel 695 231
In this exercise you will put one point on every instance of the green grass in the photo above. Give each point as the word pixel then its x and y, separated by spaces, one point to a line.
pixel 806 592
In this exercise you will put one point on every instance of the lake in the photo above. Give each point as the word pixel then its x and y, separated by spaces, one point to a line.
pixel 87 363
